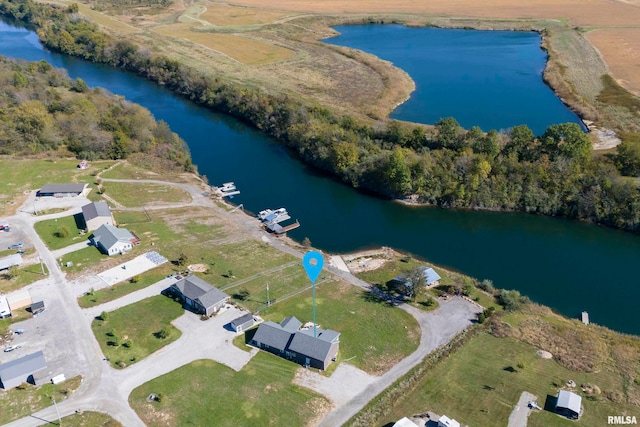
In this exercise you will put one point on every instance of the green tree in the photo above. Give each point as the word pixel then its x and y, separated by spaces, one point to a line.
pixel 521 142
pixel 568 140
pixel 448 133
pixel 416 282
pixel 120 145
pixel 20 80
pixel 628 158
pixel 397 174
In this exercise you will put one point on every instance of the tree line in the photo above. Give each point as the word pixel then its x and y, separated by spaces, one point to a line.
pixel 552 174
pixel 41 109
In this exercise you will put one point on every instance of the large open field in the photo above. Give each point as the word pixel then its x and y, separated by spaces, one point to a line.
pixel 620 49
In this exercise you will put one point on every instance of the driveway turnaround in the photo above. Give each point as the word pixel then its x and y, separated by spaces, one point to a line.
pixel 520 413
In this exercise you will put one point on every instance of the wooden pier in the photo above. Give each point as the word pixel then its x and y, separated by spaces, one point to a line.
pixel 279 230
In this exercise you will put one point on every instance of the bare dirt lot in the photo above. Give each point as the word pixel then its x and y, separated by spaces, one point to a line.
pixel 620 49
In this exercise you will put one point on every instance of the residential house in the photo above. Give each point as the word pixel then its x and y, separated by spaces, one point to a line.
pixel 569 404
pixel 63 190
pixel 287 340
pixel 97 214
pixel 243 322
pixel 113 240
pixel 199 295
pixel 16 372
pixel 403 284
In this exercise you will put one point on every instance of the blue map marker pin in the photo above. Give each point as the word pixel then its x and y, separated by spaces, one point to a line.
pixel 312 263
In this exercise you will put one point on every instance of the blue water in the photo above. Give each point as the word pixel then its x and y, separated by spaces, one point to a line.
pixel 559 263
pixel 490 79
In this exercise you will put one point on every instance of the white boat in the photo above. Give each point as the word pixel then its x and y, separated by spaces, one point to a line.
pixel 265 213
pixel 227 187
pixel 270 215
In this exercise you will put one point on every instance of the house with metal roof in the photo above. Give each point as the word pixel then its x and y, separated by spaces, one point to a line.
pixel 198 295
pixel 445 421
pixel 9 261
pixel 62 190
pixel 97 214
pixel 569 404
pixel 431 279
pixel 113 240
pixel 16 372
pixel 242 323
pixel 285 339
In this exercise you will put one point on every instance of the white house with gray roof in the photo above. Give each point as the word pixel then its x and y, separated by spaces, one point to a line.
pixel 198 295
pixel 113 240
pixel 97 214
pixel 287 340
pixel 569 404
pixel 22 370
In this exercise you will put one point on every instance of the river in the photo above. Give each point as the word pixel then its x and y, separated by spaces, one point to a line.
pixel 566 265
pixel 490 79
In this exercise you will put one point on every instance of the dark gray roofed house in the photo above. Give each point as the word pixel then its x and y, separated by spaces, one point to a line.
pixel 113 240
pixel 199 295
pixel 318 351
pixel 16 372
pixel 62 190
pixel 271 337
pixel 97 214
pixel 285 340
pixel 242 323
pixel 569 404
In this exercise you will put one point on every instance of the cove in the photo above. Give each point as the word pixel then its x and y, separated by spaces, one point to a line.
pixel 490 79
pixel 566 265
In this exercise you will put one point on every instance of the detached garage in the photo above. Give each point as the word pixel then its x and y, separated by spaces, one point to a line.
pixel 19 371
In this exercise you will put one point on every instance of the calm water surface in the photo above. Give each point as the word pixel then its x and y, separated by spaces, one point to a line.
pixel 568 266
pixel 492 79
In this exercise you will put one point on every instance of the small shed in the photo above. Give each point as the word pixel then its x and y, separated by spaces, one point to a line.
pixel 405 422
pixel 445 421
pixel 19 299
pixel 5 311
pixel 243 323
pixel 569 404
pixel 18 371
pixel 37 307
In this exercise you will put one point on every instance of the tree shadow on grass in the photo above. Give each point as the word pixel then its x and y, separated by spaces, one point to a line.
pixel 375 298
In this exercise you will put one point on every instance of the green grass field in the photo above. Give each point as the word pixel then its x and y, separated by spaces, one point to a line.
pixel 480 384
pixel 84 259
pixel 139 324
pixel 374 335
pixel 25 276
pixel 124 288
pixel 60 232
pixel 16 404
pixel 205 393
pixel 134 195
pixel 88 418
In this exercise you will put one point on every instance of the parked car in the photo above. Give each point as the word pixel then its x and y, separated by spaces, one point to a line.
pixel 11 348
pixel 16 246
pixel 20 252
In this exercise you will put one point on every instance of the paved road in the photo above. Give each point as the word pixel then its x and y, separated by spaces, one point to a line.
pixel 520 413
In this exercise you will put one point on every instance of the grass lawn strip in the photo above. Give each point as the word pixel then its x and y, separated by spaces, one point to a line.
pixel 89 418
pixel 140 325
pixel 134 195
pixel 25 276
pixel 261 394
pixel 60 232
pixel 121 289
pixel 16 403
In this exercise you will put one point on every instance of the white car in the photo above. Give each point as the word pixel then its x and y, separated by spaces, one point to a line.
pixel 11 348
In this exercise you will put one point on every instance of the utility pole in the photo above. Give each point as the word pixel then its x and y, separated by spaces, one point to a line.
pixel 57 412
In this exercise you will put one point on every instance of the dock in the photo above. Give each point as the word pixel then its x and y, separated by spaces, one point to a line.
pixel 585 317
pixel 276 228
pixel 228 189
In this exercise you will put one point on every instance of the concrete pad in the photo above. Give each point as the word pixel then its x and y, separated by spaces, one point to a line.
pixel 343 385
pixel 127 270
pixel 520 413
pixel 338 263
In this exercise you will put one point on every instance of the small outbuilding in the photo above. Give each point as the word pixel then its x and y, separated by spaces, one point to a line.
pixel 243 323
pixel 5 311
pixel 9 261
pixel 198 295
pixel 37 308
pixel 62 190
pixel 569 404
pixel 97 214
pixel 445 421
pixel 405 422
pixel 19 299
pixel 18 371
pixel 113 240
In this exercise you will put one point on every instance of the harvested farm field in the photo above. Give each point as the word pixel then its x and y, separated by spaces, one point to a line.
pixel 620 49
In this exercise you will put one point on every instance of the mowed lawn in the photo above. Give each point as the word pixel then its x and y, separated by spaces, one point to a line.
pixel 134 195
pixel 225 15
pixel 374 335
pixel 206 393
pixel 243 49
pixel 60 232
pixel 140 324
pixel 480 384
pixel 25 275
